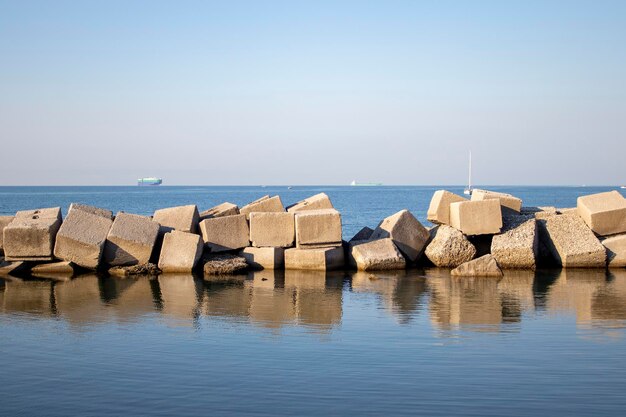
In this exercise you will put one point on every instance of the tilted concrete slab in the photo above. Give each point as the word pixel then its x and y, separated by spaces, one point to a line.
pixel 376 255
pixel 31 235
pixel 272 229
pixel 225 233
pixel 264 204
pixel 363 234
pixel 320 259
pixel 604 213
pixel 181 218
pixel 221 210
pixel 264 258
pixel 506 200
pixel 439 209
pixel 516 247
pixel 408 234
pixel 180 252
pixel 131 240
pixel 318 228
pixel 316 202
pixel 485 266
pixel 449 247
pixel 476 217
pixel 616 250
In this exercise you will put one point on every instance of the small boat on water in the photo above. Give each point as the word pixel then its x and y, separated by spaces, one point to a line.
pixel 468 190
pixel 365 184
pixel 149 181
pixel 623 186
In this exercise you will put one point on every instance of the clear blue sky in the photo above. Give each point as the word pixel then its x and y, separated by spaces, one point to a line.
pixel 294 92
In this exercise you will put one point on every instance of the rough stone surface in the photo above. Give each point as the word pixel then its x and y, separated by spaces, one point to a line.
pixel 181 218
pixel 82 235
pixel 130 240
pixel 144 269
pixel 316 202
pixel 363 234
pixel 264 258
pixel 272 229
pixel 516 246
pixel 224 264
pixel 31 234
pixel 572 243
pixel 476 217
pixel 381 254
pixel 485 266
pixel 506 200
pixel 63 268
pixel 616 251
pixel 221 210
pixel 318 228
pixel 4 222
pixel 407 233
pixel 449 248
pixel 225 233
pixel 263 204
pixel 604 213
pixel 180 252
pixel 439 209
pixel 320 259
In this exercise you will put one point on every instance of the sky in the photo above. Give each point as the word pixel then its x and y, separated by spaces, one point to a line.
pixel 312 92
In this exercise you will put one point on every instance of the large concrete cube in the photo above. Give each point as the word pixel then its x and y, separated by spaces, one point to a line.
pixel 604 213
pixel 221 210
pixel 476 217
pixel 616 251
pixel 320 259
pixel 181 218
pixel 318 228
pixel 407 233
pixel 180 252
pixel 263 204
pixel 439 209
pixel 82 235
pixel 516 247
pixel 130 240
pixel 264 258
pixel 272 229
pixel 4 222
pixel 316 202
pixel 225 233
pixel 376 255
pixel 31 234
pixel 506 200
pixel 449 247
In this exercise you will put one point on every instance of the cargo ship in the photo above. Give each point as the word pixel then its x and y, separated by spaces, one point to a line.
pixel 149 181
pixel 365 184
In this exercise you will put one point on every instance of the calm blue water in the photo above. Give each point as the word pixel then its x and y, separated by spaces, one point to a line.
pixel 306 343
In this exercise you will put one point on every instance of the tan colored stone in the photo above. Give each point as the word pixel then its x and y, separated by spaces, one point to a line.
pixel 407 234
pixel 272 229
pixel 363 234
pixel 439 209
pixel 604 213
pixel 181 218
pixel 4 222
pixel 221 210
pixel 264 258
pixel 485 266
pixel 476 217
pixel 314 259
pixel 449 248
pixel 506 200
pixel 376 255
pixel 516 246
pixel 224 264
pixel 263 204
pixel 318 228
pixel 180 252
pixel 316 202
pixel 616 250
pixel 31 234
pixel 225 233
pixel 131 240
pixel 63 268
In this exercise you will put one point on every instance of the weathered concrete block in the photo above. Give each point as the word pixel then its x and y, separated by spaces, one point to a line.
pixel 181 218
pixel 148 269
pixel 506 200
pixel 363 234
pixel 31 234
pixel 604 213
pixel 476 217
pixel 376 255
pixel 407 233
pixel 272 229
pixel 449 248
pixel 221 210
pixel 572 243
pixel 485 266
pixel 318 228
pixel 225 233
pixel 82 235
pixel 180 252
pixel 224 264
pixel 516 247
pixel 130 240
pixel 439 209
pixel 4 222
pixel 315 259
pixel 316 202
pixel 263 204
pixel 264 258
pixel 62 268
pixel 616 250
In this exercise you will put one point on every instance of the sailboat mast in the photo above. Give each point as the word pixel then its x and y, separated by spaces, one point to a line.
pixel 469 182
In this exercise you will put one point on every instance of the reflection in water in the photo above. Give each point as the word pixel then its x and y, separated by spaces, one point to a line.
pixel 314 299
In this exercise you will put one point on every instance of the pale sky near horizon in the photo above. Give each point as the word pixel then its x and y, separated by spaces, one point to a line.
pixel 288 92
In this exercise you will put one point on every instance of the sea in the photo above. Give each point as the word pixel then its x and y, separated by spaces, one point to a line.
pixel 304 343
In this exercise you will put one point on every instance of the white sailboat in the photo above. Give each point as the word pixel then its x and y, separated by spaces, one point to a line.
pixel 468 190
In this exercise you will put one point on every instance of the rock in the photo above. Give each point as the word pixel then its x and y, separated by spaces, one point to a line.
pixel 181 218
pixel 272 229
pixel 407 233
pixel 572 243
pixel 61 268
pixel 31 234
pixel 316 202
pixel 506 200
pixel 225 233
pixel 4 222
pixel 264 258
pixel 82 235
pixel 439 209
pixel 516 247
pixel 616 250
pixel 9 268
pixel 224 264
pixel 485 266
pixel 449 248
pixel 221 210
pixel 131 240
pixel 363 234
pixel 604 213
pixel 381 254
pixel 476 217
pixel 263 204
pixel 180 252
pixel 142 269
pixel 318 228
pixel 315 259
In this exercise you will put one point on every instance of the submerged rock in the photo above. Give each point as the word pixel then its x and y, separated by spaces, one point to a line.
pixel 143 269
pixel 485 266
pixel 224 264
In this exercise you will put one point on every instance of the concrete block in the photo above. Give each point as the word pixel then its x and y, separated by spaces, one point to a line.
pixel 181 218
pixel 506 200
pixel 272 229
pixel 439 209
pixel 31 234
pixel 616 250
pixel 263 204
pixel 516 247
pixel 180 252
pixel 363 234
pixel 604 213
pixel 224 264
pixel 316 202
pixel 449 248
pixel 476 217
pixel 4 222
pixel 58 271
pixel 485 266
pixel 319 259
pixel 225 233
pixel 376 255
pixel 264 258
pixel 407 233
pixel 131 240
pixel 221 210
pixel 318 228
pixel 92 210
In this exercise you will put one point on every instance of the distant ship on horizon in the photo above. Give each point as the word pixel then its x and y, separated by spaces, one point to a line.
pixel 365 184
pixel 149 181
